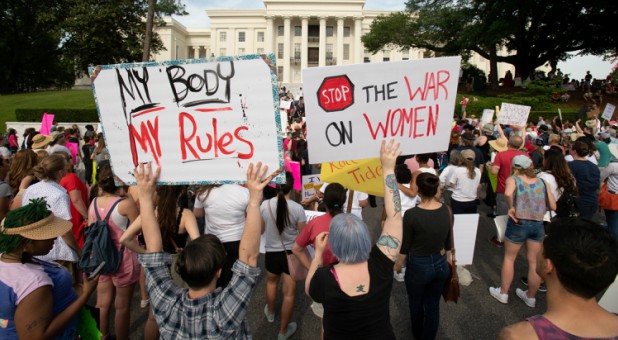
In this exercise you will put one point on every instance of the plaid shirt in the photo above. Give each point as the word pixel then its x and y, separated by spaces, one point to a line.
pixel 218 315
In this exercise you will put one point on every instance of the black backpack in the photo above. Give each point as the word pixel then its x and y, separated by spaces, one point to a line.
pixel 99 246
pixel 568 204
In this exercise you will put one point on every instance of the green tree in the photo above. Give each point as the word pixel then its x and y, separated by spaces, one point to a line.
pixel 533 32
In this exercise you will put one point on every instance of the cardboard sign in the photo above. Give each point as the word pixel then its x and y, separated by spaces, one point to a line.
pixel 608 113
pixel 311 183
pixel 363 175
pixel 294 168
pixel 464 231
pixel 488 117
pixel 201 121
pixel 46 124
pixel 350 109
pixel 500 222
pixel 513 114
pixel 310 214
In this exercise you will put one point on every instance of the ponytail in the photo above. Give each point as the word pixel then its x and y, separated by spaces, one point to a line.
pixel 283 216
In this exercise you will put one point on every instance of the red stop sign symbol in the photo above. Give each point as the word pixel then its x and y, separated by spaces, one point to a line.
pixel 336 93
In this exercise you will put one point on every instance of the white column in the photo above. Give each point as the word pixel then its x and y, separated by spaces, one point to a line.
pixel 196 52
pixel 214 42
pixel 268 36
pixel 322 45
pixel 358 44
pixel 286 49
pixel 340 40
pixel 304 43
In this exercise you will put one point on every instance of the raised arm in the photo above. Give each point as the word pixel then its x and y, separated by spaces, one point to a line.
pixel 250 241
pixel 150 227
pixel 390 240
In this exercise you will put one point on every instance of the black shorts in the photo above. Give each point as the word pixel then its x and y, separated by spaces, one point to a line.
pixel 277 262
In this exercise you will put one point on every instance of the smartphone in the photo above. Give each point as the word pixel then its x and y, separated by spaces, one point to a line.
pixel 96 271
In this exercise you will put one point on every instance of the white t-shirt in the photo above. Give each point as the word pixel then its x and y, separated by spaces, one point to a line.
pixel 296 214
pixel 593 159
pixel 358 196
pixel 611 173
pixel 407 202
pixel 445 176
pixel 550 182
pixel 225 211
pixel 464 187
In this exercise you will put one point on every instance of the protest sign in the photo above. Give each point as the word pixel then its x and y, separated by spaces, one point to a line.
pixel 609 301
pixel 201 121
pixel 363 175
pixel 352 108
pixel 608 113
pixel 500 222
pixel 488 117
pixel 285 105
pixel 464 232
pixel 311 183
pixel 310 214
pixel 46 124
pixel 294 168
pixel 513 114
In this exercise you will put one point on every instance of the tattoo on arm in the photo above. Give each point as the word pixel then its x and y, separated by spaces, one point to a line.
pixel 391 183
pixel 390 246
pixel 360 289
pixel 42 321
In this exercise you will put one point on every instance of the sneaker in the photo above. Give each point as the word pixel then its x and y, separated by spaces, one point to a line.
pixel 291 330
pixel 495 292
pixel 400 277
pixel 269 317
pixel 144 303
pixel 495 242
pixel 523 295
pixel 542 287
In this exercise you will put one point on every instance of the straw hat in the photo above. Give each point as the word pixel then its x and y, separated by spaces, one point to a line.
pixel 40 141
pixel 498 145
pixel 47 228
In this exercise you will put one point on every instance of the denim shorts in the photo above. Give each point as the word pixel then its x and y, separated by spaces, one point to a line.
pixel 525 230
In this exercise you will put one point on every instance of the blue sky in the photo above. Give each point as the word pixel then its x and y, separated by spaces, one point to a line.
pixel 576 66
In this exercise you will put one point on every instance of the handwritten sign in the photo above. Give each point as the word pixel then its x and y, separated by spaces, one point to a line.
pixel 513 114
pixel 488 117
pixel 464 232
pixel 311 183
pixel 361 175
pixel 352 108
pixel 201 121
pixel 608 113
pixel 46 124
pixel 312 214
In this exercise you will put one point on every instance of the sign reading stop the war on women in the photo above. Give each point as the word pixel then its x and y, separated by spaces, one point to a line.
pixel 513 114
pixel 201 121
pixel 350 109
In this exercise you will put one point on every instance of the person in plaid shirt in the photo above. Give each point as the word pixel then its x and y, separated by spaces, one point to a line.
pixel 202 311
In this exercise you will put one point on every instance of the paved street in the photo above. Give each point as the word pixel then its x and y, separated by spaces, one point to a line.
pixel 476 316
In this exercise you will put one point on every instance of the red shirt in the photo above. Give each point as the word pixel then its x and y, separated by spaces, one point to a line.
pixel 310 232
pixel 504 160
pixel 71 182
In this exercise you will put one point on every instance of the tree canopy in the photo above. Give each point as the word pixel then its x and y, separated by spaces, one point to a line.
pixel 532 32
pixel 46 43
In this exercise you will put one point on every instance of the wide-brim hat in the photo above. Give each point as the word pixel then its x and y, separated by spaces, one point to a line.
pixel 498 145
pixel 48 228
pixel 40 141
pixel 55 135
pixel 613 149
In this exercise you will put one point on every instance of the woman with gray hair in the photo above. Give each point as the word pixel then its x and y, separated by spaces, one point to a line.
pixel 356 291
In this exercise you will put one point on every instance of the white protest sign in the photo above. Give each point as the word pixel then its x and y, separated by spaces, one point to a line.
pixel 310 214
pixel 310 185
pixel 464 230
pixel 513 114
pixel 488 117
pixel 285 105
pixel 608 113
pixel 609 301
pixel 350 109
pixel 201 121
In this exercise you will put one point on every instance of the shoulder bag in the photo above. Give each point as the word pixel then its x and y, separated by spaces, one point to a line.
pixel 607 200
pixel 450 292
pixel 298 272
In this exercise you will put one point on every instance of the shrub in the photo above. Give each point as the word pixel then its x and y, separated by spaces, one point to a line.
pixel 61 115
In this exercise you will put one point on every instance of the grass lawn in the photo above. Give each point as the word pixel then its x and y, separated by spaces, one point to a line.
pixel 66 99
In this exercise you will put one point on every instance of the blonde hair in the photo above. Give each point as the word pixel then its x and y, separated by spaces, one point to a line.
pixel 48 168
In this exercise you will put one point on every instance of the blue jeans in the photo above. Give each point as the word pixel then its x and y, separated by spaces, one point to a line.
pixel 518 233
pixel 425 278
pixel 612 222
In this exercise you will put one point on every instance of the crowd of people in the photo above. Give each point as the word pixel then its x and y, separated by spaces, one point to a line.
pixel 193 250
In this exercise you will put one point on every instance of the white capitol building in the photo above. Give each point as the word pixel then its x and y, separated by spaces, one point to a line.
pixel 300 33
